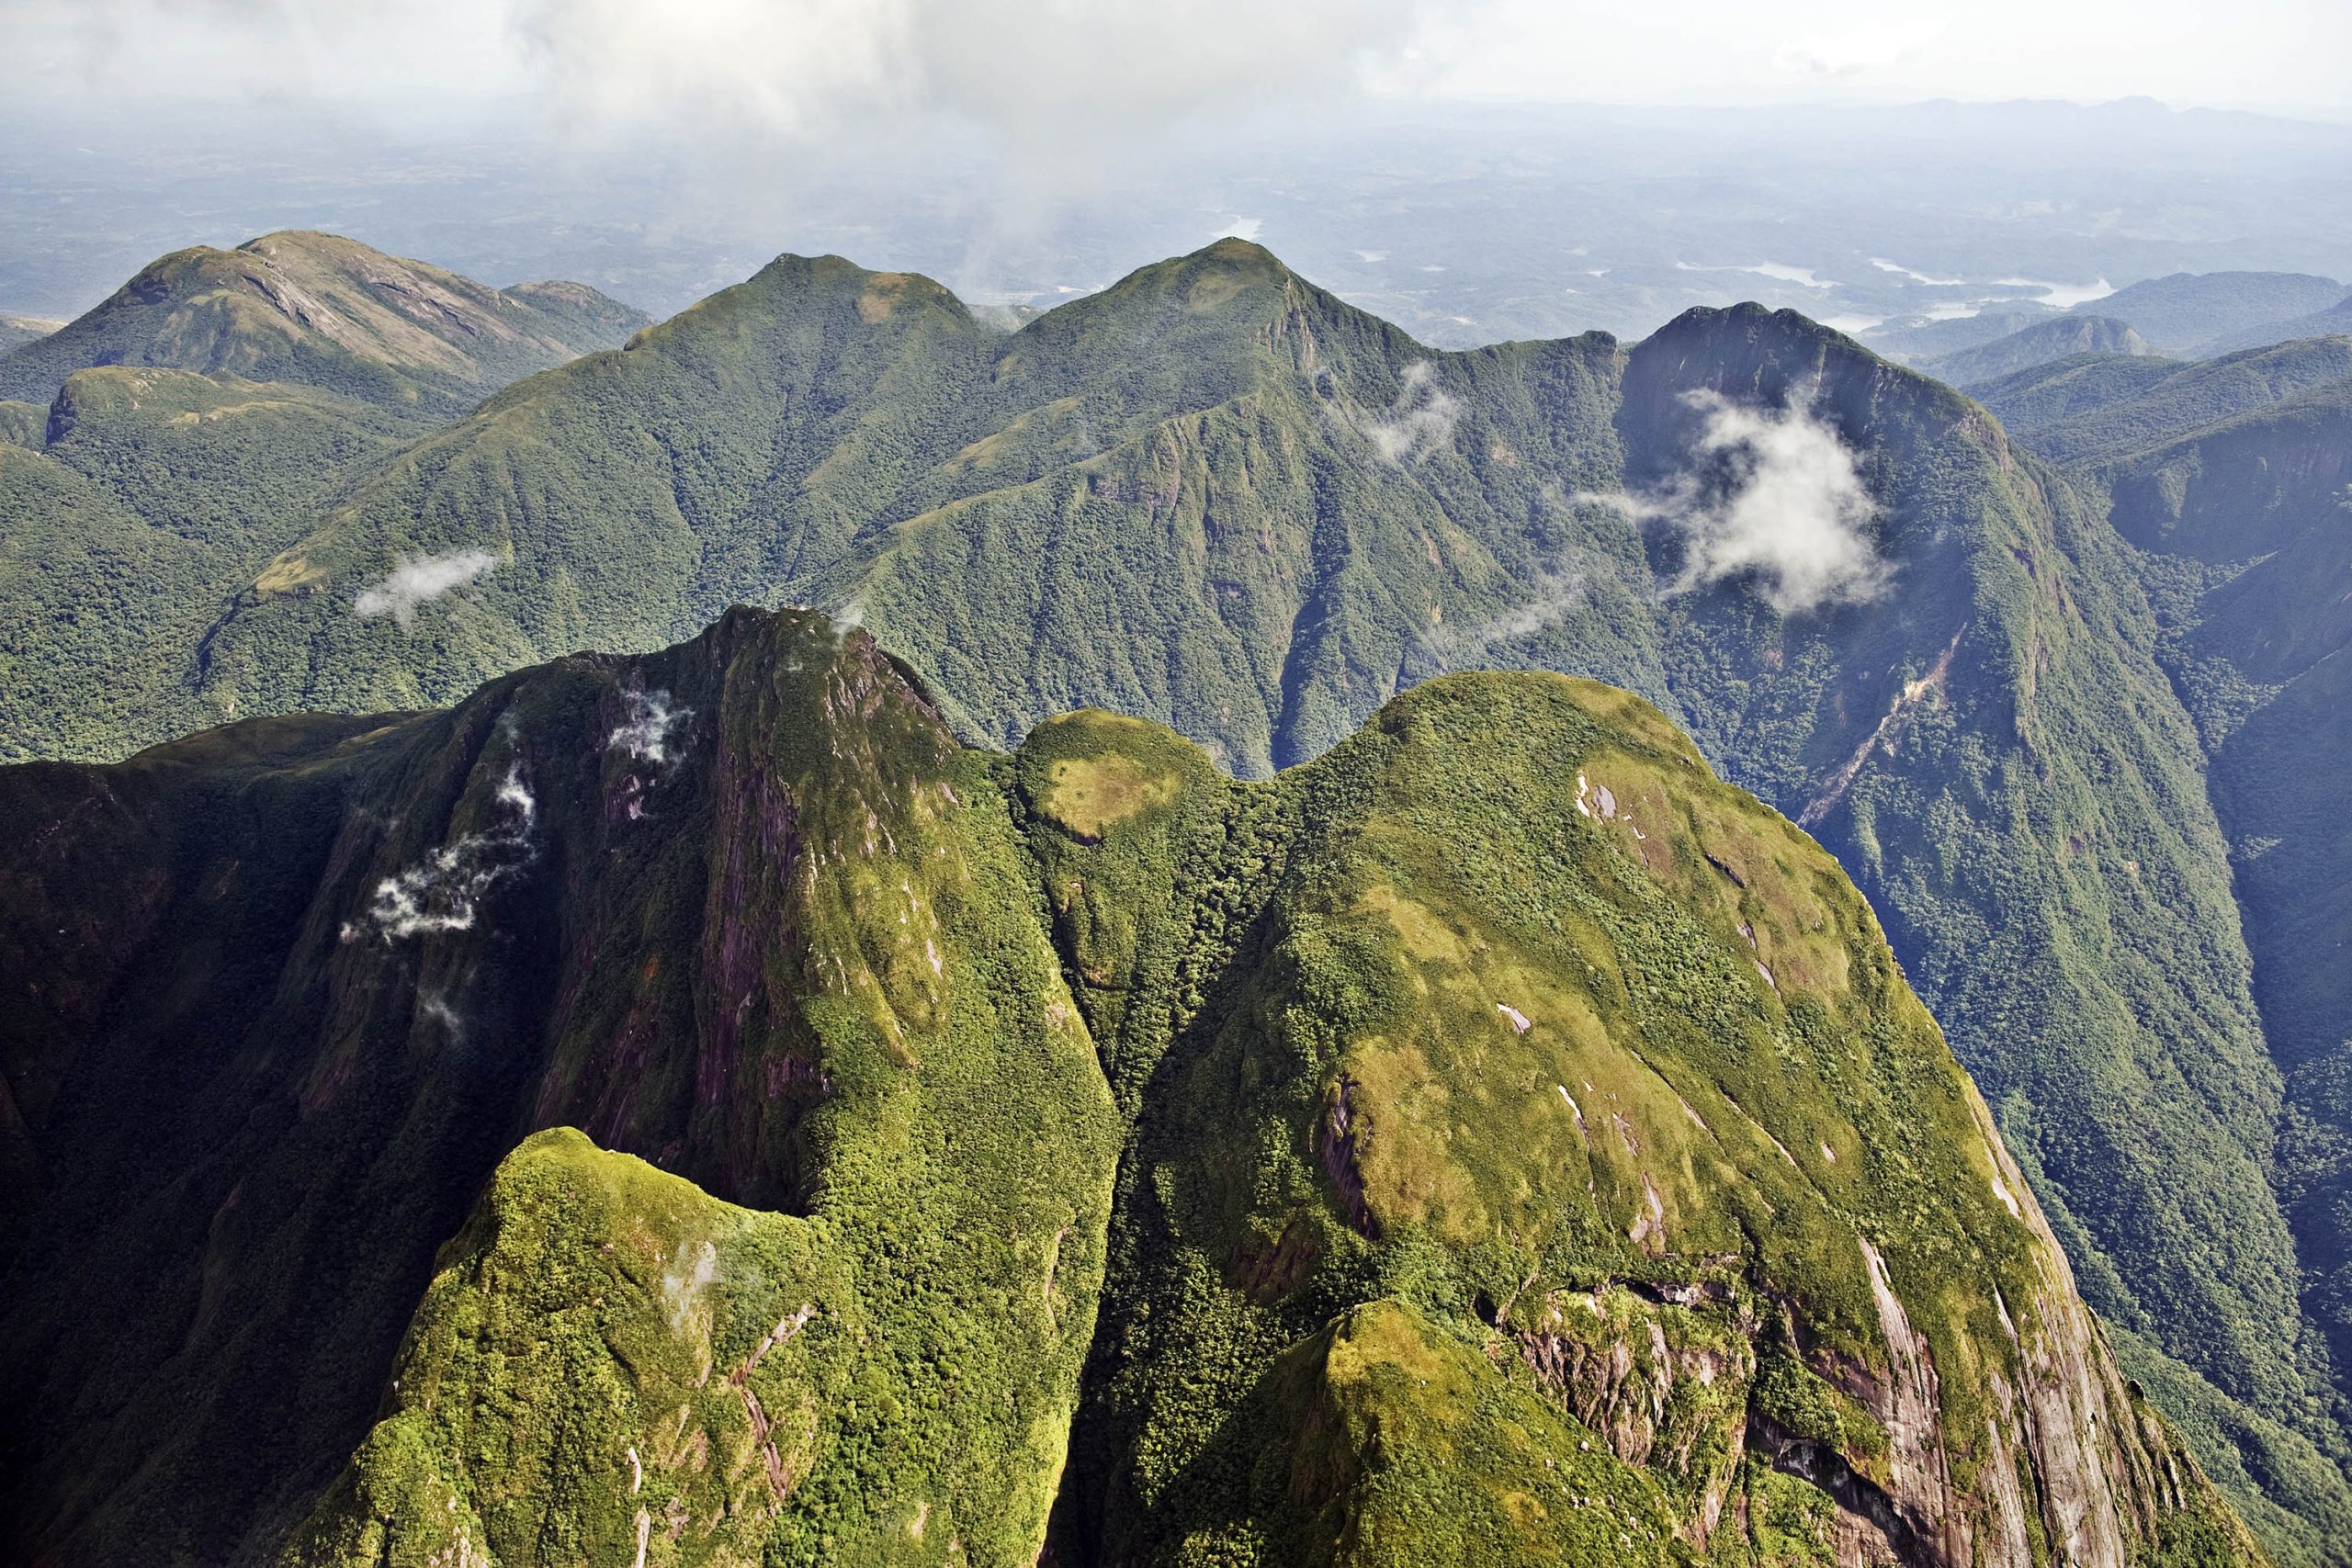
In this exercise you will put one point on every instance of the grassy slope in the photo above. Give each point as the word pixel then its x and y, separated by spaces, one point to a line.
pixel 1308 983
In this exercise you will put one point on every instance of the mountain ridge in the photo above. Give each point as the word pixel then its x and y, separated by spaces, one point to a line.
pixel 745 908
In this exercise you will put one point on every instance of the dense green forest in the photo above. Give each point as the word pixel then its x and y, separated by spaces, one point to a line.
pixel 2234 479
pixel 691 1107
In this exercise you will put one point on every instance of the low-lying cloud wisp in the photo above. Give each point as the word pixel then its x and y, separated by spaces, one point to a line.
pixel 1558 592
pixel 416 580
pixel 444 891
pixel 1775 496
pixel 1418 423
pixel 645 733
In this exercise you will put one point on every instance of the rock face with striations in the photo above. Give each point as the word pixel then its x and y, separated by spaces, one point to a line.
pixel 1496 1141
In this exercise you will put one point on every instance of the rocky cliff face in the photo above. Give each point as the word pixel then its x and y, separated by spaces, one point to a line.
pixel 1495 1141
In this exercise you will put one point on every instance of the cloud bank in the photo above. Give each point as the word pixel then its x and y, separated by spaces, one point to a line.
pixel 1773 498
pixel 418 580
pixel 1040 77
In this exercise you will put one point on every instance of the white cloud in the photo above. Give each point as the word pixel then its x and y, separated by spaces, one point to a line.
pixel 1557 592
pixel 645 734
pixel 1418 423
pixel 1774 498
pixel 418 580
pixel 1049 75
pixel 444 891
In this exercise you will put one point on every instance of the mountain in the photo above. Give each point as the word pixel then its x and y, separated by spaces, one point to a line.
pixel 2098 410
pixel 327 312
pixel 1911 338
pixel 186 431
pixel 135 506
pixel 18 331
pixel 691 1105
pixel 2188 311
pixel 2333 322
pixel 1215 496
pixel 2037 344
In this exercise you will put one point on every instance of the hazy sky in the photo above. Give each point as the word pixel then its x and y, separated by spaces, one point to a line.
pixel 1041 74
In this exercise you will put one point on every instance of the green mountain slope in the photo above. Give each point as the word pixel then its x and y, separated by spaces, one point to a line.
pixel 1494 1142
pixel 133 509
pixel 1217 497
pixel 2037 344
pixel 2244 520
pixel 2101 409
pixel 329 312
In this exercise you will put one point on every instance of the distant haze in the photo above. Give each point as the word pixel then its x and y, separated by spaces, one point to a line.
pixel 1055 69
pixel 1475 172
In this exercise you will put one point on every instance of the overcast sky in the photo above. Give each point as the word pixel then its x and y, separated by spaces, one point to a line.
pixel 1038 74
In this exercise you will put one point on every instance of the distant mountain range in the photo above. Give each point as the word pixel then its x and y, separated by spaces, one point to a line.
pixel 18 331
pixel 2060 337
pixel 2187 315
pixel 2205 313
pixel 1983 660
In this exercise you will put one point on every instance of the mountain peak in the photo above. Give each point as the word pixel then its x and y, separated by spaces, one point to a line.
pixel 325 311
pixel 1233 250
pixel 674 1023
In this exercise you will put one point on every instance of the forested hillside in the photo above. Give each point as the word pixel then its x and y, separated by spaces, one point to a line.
pixel 164 448
pixel 2234 478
